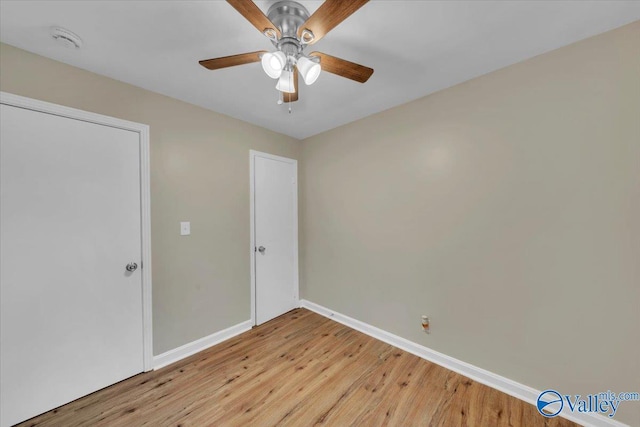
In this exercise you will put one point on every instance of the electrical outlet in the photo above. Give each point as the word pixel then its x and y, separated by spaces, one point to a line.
pixel 426 324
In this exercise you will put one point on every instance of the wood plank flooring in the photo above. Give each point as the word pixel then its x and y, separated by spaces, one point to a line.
pixel 299 369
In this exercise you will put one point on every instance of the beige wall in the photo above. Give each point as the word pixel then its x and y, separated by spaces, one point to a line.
pixel 507 208
pixel 199 173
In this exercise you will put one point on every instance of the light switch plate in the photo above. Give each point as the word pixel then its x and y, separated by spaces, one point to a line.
pixel 185 228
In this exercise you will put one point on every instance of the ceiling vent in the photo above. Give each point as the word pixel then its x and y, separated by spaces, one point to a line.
pixel 66 38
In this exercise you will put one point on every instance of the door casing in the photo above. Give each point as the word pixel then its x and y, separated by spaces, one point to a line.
pixel 252 155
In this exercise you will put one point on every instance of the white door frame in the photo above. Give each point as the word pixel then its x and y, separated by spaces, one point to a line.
pixel 252 155
pixel 145 220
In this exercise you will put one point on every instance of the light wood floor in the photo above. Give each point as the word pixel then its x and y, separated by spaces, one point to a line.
pixel 300 369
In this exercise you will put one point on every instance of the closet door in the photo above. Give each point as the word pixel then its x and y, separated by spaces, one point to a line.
pixel 70 252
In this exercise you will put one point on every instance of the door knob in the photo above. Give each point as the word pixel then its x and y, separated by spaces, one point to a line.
pixel 132 266
pixel 261 249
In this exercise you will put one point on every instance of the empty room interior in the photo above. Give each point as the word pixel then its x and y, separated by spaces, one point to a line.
pixel 341 213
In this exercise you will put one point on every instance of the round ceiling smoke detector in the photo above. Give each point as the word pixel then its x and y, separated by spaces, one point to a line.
pixel 66 38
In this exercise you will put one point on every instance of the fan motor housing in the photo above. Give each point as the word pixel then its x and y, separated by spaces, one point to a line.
pixel 288 16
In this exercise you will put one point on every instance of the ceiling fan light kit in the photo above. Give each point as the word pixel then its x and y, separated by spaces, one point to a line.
pixel 285 82
pixel 309 70
pixel 273 63
pixel 291 29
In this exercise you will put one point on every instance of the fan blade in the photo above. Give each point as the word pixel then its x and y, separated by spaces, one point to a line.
pixel 253 14
pixel 328 16
pixel 292 97
pixel 343 68
pixel 233 60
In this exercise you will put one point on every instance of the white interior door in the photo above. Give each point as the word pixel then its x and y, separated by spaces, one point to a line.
pixel 275 235
pixel 71 314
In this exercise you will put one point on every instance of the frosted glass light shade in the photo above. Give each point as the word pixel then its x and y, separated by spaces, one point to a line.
pixel 309 70
pixel 285 83
pixel 273 63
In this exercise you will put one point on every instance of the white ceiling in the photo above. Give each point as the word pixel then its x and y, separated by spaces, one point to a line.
pixel 415 47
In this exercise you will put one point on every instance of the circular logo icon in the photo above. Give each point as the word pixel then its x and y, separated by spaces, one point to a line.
pixel 550 403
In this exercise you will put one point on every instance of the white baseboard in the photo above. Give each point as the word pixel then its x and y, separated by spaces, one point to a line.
pixel 480 375
pixel 196 346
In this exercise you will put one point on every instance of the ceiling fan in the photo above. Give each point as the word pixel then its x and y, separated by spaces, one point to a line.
pixel 291 30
